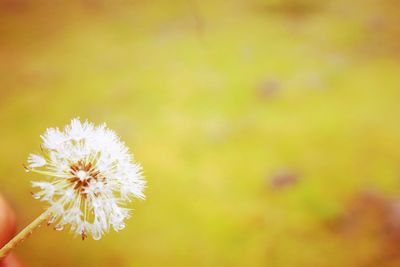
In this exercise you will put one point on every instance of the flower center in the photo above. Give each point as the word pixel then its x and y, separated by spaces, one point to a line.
pixel 82 175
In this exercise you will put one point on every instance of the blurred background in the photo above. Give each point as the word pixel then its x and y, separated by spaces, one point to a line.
pixel 268 129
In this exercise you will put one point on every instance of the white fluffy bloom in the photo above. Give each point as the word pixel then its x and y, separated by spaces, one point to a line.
pixel 90 175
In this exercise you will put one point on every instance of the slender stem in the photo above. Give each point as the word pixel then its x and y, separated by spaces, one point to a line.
pixel 21 236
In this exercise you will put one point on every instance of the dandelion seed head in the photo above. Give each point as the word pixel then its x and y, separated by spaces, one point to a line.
pixel 90 175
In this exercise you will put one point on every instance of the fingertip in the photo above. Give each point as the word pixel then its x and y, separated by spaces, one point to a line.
pixel 7 222
pixel 10 261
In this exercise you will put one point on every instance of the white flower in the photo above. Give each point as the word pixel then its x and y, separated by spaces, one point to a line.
pixel 90 175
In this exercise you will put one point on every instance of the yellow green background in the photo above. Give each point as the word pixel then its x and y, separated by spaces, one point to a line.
pixel 221 101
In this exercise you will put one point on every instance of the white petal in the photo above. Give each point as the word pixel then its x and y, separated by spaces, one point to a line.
pixel 35 161
pixel 52 138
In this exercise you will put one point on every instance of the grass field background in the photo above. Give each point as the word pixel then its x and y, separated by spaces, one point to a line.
pixel 268 131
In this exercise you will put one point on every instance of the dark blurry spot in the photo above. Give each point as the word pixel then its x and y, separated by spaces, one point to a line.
pixel 268 89
pixel 372 216
pixel 282 179
pixel 198 19
pixel 376 23
pixel 292 8
pixel 366 202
